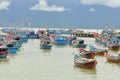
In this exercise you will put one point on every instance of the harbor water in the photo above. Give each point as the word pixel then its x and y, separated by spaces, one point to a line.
pixel 33 63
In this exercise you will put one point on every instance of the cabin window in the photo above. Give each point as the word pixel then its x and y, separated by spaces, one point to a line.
pixel 81 42
pixel 48 42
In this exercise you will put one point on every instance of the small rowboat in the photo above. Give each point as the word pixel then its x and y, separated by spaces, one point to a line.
pixel 87 54
pixel 84 63
pixel 114 47
pixel 110 58
pixel 98 51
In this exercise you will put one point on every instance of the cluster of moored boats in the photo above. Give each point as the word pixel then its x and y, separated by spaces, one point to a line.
pixel 11 40
pixel 110 39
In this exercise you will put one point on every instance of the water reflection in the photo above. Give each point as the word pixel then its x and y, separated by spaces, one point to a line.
pixel 60 46
pixel 46 50
pixel 113 64
pixel 12 54
pixel 5 60
pixel 86 71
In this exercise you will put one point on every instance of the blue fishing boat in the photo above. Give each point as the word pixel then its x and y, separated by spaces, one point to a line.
pixel 17 40
pixel 17 44
pixel 50 32
pixel 97 51
pixel 23 38
pixel 61 40
pixel 32 35
pixel 11 48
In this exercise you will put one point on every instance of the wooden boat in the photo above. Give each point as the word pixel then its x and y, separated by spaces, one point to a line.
pixel 45 43
pixel 84 63
pixel 114 47
pixel 113 43
pixel 3 51
pixel 87 54
pixel 110 58
pixel 98 51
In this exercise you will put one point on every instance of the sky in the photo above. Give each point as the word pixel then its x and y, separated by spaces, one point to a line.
pixel 60 13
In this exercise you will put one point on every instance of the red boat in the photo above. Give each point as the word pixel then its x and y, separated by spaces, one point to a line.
pixel 115 47
pixel 86 63
pixel 111 58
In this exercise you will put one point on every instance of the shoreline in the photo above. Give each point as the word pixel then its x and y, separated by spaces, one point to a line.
pixel 36 29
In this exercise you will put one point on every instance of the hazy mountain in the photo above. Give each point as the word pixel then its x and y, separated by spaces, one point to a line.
pixel 59 13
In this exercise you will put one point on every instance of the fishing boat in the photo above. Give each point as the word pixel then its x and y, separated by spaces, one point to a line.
pixel 79 43
pixel 114 47
pixel 40 33
pixel 23 36
pixel 86 53
pixel 111 58
pixel 45 43
pixel 32 35
pixel 3 51
pixel 17 40
pixel 13 46
pixel 60 40
pixel 97 51
pixel 17 44
pixel 84 62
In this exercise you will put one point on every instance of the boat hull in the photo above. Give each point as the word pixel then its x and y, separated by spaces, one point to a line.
pixel 115 60
pixel 114 47
pixel 87 65
pixel 80 45
pixel 45 47
pixel 33 36
pixel 61 42
pixel 12 50
pixel 3 55
pixel 24 39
